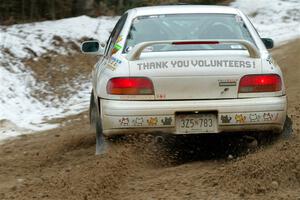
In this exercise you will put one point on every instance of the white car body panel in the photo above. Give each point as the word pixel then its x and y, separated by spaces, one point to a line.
pixel 194 75
pixel 185 81
pixel 120 115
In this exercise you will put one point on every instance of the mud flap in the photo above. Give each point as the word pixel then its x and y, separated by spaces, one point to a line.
pixel 287 128
pixel 101 144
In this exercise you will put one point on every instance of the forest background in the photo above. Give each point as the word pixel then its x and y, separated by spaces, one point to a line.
pixel 23 11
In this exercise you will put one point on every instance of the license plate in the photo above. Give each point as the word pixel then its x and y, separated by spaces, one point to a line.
pixel 196 123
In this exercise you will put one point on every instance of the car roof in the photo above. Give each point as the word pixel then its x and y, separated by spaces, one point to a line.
pixel 181 9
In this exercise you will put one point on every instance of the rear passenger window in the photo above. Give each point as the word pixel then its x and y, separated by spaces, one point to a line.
pixel 115 34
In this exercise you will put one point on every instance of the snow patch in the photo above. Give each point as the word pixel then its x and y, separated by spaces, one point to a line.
pixel 21 113
pixel 23 40
pixel 277 19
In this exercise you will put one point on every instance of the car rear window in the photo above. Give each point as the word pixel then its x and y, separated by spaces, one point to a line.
pixel 187 27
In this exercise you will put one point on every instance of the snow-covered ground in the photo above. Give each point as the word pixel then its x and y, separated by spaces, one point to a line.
pixel 21 113
pixel 277 19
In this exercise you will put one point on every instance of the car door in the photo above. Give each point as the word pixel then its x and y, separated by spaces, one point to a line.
pixel 110 44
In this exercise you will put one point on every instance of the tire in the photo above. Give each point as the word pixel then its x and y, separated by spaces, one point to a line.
pixel 95 121
pixel 270 137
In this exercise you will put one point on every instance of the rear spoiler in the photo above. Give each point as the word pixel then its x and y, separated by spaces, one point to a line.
pixel 135 53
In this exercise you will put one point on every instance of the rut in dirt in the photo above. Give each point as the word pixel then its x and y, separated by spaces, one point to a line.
pixel 180 149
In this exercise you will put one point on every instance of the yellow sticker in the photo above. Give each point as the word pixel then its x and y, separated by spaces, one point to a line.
pixel 120 38
pixel 152 121
pixel 240 119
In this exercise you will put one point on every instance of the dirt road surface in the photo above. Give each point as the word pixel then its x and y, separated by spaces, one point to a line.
pixel 60 163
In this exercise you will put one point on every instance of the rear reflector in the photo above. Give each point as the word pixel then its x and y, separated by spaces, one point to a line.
pixel 260 83
pixel 130 86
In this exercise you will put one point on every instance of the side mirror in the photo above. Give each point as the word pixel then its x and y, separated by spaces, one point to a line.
pixel 92 47
pixel 269 43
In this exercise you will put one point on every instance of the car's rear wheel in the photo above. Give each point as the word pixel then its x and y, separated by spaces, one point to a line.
pixel 95 121
pixel 270 137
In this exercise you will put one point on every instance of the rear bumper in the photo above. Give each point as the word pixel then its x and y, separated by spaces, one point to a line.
pixel 254 114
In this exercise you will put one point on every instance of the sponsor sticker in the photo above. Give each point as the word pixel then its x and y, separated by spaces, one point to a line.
pixel 254 117
pixel 138 121
pixel 267 117
pixel 124 121
pixel 167 121
pixel 117 46
pixel 120 38
pixel 158 65
pixel 152 121
pixel 144 121
pixel 240 118
pixel 226 119
pixel 116 60
pixel 249 118
pixel 113 63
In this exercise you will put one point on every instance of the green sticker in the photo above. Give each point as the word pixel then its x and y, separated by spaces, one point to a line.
pixel 118 47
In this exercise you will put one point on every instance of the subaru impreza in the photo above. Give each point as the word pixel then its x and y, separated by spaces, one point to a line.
pixel 185 70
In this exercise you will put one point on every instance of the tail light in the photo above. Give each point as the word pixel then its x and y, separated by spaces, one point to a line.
pixel 130 86
pixel 260 83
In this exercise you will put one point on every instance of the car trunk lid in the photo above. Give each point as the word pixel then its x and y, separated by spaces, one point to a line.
pixel 195 77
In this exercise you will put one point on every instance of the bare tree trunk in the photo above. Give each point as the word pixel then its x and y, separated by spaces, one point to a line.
pixel 53 10
pixel 23 10
pixel 32 9
pixel 89 7
pixel 81 7
pixel 120 4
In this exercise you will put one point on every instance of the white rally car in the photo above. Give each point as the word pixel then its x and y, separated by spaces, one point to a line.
pixel 185 70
